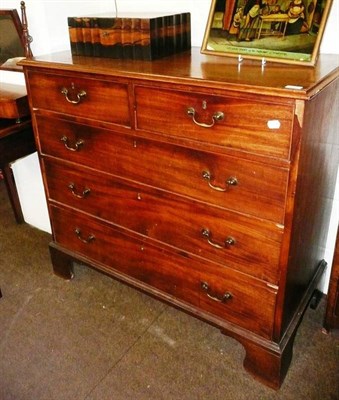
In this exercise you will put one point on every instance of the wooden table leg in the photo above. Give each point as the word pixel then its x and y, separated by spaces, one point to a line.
pixel 12 193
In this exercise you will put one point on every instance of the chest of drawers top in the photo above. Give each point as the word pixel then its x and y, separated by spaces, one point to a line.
pixel 251 107
pixel 215 72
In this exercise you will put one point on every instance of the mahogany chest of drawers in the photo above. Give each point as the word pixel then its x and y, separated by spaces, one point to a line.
pixel 196 179
pixel 331 320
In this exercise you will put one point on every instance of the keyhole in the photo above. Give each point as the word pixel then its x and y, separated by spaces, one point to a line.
pixel 204 104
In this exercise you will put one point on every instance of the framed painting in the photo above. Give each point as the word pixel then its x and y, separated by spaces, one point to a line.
pixel 288 31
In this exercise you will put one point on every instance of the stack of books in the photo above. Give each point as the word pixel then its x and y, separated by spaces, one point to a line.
pixel 142 37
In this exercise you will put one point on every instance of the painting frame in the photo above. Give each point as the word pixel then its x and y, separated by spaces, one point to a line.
pixel 284 31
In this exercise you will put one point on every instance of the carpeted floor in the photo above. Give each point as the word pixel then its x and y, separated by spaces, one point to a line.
pixel 96 339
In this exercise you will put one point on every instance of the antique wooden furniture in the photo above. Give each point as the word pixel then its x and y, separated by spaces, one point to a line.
pixel 16 137
pixel 140 36
pixel 15 39
pixel 16 134
pixel 195 179
pixel 332 309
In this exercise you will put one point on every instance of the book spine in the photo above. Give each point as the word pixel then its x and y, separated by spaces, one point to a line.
pixel 154 38
pixel 72 35
pixel 145 38
pixel 95 37
pixel 170 45
pixel 177 33
pixel 105 27
pixel 117 47
pixel 87 36
pixel 79 36
pixel 136 39
pixel 161 37
pixel 126 38
pixel 187 31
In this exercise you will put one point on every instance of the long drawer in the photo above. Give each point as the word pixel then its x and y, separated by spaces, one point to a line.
pixel 121 252
pixel 245 186
pixel 255 127
pixel 89 98
pixel 194 227
pixel 249 303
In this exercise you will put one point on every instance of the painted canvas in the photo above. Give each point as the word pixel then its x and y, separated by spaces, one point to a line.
pixel 287 31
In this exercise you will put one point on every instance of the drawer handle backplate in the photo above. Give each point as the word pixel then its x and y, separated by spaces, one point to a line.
pixel 89 239
pixel 76 146
pixel 231 181
pixel 78 96
pixel 80 195
pixel 229 241
pixel 217 116
pixel 220 299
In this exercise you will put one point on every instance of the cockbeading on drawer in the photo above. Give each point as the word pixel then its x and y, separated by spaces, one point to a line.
pixel 205 231
pixel 250 303
pixel 82 97
pixel 259 190
pixel 240 124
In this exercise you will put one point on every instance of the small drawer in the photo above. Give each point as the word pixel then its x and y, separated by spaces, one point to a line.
pixel 240 299
pixel 120 252
pixel 244 243
pixel 239 124
pixel 81 97
pixel 241 185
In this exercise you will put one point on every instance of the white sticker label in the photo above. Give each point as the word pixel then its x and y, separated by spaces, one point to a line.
pixel 294 87
pixel 273 124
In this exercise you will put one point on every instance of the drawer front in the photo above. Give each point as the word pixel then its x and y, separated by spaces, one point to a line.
pixel 250 303
pixel 259 189
pixel 245 301
pixel 123 253
pixel 260 128
pixel 89 98
pixel 244 243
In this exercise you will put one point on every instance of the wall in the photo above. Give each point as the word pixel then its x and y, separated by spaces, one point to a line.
pixel 48 18
pixel 48 27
